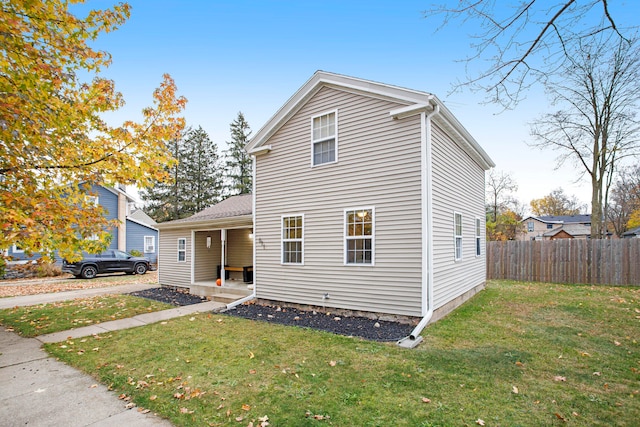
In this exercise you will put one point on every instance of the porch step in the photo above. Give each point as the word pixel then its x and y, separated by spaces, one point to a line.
pixel 225 297
pixel 211 291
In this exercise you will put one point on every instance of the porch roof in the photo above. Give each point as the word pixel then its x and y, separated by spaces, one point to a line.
pixel 235 209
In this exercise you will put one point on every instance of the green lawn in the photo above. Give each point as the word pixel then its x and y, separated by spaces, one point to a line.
pixel 517 354
pixel 52 317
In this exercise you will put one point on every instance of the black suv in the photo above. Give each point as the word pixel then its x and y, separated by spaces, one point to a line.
pixel 111 261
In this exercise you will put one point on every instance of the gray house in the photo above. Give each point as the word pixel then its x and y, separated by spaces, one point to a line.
pixel 367 198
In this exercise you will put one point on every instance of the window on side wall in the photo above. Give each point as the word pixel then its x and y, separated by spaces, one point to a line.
pixel 182 250
pixel 530 226
pixel 292 239
pixel 149 244
pixel 457 231
pixel 359 236
pixel 324 139
pixel 478 237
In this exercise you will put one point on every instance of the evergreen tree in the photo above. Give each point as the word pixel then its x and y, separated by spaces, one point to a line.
pixel 196 179
pixel 238 161
pixel 203 185
pixel 164 199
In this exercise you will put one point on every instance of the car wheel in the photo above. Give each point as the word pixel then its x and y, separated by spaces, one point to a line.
pixel 89 272
pixel 141 268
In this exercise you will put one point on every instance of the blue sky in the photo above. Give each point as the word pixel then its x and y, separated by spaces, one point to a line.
pixel 251 56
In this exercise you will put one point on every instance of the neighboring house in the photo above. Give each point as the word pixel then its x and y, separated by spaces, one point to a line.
pixel 367 198
pixel 135 231
pixel 194 251
pixel 551 227
pixel 634 233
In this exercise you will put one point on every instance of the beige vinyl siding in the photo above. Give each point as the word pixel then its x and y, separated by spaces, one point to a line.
pixel 239 250
pixel 206 259
pixel 170 271
pixel 458 186
pixel 378 167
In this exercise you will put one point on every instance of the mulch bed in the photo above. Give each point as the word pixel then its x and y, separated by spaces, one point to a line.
pixel 170 296
pixel 370 329
pixel 375 330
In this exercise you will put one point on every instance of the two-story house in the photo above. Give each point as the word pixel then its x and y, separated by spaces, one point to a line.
pixel 551 227
pixel 136 230
pixel 367 197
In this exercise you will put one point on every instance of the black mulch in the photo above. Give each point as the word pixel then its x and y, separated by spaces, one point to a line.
pixel 170 296
pixel 376 330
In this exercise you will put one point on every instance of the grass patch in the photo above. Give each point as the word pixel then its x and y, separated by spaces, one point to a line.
pixel 52 317
pixel 517 354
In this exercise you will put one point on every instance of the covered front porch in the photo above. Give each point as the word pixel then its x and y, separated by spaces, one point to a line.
pixel 222 262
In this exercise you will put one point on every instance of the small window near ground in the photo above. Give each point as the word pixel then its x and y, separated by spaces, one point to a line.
pixel 182 250
pixel 149 244
pixel 324 142
pixel 292 239
pixel 359 236
pixel 478 237
pixel 458 235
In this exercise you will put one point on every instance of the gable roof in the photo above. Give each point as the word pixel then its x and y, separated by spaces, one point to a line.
pixel 572 229
pixel 232 208
pixel 415 101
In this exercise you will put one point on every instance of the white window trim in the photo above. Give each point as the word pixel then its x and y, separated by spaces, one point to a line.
pixel 347 237
pixel 458 236
pixel 335 137
pixel 182 250
pixel 17 250
pixel 478 237
pixel 153 243
pixel 283 240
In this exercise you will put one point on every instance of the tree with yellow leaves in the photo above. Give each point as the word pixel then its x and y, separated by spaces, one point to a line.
pixel 54 142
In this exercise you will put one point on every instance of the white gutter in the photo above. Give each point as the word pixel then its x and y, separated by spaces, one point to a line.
pixel 414 337
pixel 252 296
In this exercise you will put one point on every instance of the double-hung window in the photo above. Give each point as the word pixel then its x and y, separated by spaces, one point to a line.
pixel 478 237
pixel 457 232
pixel 292 239
pixel 324 139
pixel 149 244
pixel 530 226
pixel 359 236
pixel 182 250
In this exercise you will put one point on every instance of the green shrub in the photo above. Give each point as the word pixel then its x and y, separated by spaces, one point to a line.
pixel 135 252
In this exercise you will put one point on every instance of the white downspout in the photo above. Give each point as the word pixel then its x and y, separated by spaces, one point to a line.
pixel 253 221
pixel 414 337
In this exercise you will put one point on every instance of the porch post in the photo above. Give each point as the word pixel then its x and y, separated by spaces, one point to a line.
pixel 223 244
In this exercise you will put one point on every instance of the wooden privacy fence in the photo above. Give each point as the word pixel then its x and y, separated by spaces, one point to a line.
pixel 615 262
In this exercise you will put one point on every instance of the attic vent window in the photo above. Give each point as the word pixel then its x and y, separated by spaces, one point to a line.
pixel 324 141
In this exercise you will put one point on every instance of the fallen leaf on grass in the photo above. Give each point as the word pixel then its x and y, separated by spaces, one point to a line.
pixel 184 410
pixel 154 397
pixel 251 355
pixel 514 390
pixel 559 378
pixel 480 422
pixel 246 407
pixel 238 419
pixel 618 343
pixel 560 417
pixel 426 400
pixel 597 374
pixel 518 363
pixel 332 363
pixel 144 411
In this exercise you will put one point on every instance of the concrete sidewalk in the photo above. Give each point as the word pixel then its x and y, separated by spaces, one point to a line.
pixel 37 390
